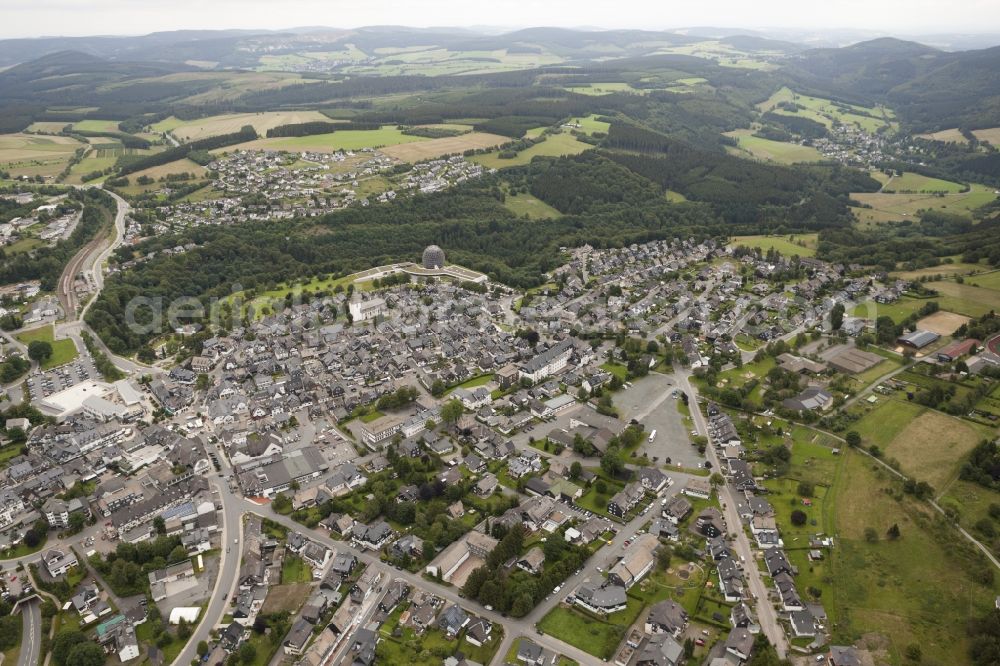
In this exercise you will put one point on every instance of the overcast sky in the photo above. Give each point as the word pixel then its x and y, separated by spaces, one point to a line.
pixel 33 18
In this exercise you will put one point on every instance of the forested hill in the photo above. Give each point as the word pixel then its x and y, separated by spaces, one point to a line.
pixel 929 89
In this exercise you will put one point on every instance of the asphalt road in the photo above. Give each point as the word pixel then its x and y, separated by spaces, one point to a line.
pixel 767 617
pixel 31 637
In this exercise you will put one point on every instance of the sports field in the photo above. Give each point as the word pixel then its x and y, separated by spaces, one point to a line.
pixel 942 322
pixel 914 182
pixel 425 150
pixel 226 124
pixel 773 151
pixel 803 245
pixel 554 145
pixel 330 143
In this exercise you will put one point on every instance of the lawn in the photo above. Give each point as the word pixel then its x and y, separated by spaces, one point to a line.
pixel 616 369
pixel 782 152
pixel 916 589
pixel 598 502
pixel 803 245
pixel 914 182
pixel 330 143
pixel 554 145
pixel 63 351
pixel 294 570
pixel 591 124
pixel 898 311
pixel 481 380
pixel 946 270
pixel 599 637
pixel 827 112
pixel 524 204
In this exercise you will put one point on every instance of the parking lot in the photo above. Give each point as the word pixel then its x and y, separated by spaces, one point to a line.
pixel 44 384
pixel 650 400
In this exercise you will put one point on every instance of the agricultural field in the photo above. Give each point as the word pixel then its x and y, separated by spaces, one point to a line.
pixel 225 86
pixel 916 589
pixel 772 151
pixel 63 351
pixel 914 182
pixel 803 245
pixel 432 148
pixel 885 421
pixel 946 136
pixel 435 61
pixel 827 112
pixel 28 154
pixel 45 127
pixel 992 135
pixel 605 89
pixel 525 204
pixel 947 270
pixel 161 171
pixel 555 145
pixel 330 143
pixel 226 124
pixel 94 125
pixel 933 446
pixel 889 207
pixel 966 299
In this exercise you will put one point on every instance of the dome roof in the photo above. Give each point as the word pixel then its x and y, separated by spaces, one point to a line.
pixel 433 257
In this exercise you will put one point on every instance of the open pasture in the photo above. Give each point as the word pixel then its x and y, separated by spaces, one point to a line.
pixel 966 299
pixel 803 245
pixel 915 182
pixel 889 207
pixel 425 150
pixel 555 145
pixel 914 589
pixel 781 152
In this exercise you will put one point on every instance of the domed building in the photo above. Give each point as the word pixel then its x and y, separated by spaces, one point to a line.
pixel 433 257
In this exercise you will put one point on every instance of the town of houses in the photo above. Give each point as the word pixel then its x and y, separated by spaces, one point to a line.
pixel 492 392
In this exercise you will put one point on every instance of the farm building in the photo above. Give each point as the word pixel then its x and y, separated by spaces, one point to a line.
pixel 852 361
pixel 918 339
pixel 957 350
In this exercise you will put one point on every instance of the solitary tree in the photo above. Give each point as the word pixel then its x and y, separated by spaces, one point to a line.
pixel 39 350
pixel 799 517
pixel 452 411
